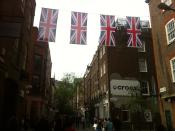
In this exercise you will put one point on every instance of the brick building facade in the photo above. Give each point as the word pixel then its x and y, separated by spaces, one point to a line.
pixel 18 44
pixel 121 81
pixel 15 28
pixel 164 51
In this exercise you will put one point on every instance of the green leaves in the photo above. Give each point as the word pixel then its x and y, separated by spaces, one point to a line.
pixel 66 89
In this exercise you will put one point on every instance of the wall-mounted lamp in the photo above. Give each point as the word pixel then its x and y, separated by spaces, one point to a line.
pixel 164 6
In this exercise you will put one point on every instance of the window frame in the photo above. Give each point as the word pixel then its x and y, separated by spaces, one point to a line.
pixel 142 49
pixel 101 53
pixel 172 69
pixel 36 81
pixel 169 41
pixel 145 63
pixel 37 62
pixel 147 87
pixel 101 71
pixel 103 50
pixel 128 114
pixel 104 68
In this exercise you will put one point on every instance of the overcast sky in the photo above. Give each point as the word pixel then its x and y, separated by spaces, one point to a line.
pixel 67 58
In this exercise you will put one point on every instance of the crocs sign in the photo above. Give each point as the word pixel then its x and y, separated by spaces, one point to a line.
pixel 125 87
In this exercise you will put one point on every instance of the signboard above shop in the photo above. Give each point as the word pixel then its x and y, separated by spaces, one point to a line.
pixel 125 87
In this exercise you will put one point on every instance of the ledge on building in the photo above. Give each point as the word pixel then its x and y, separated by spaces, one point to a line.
pixel 168 96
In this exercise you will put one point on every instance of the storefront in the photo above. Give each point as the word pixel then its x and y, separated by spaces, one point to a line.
pixel 134 110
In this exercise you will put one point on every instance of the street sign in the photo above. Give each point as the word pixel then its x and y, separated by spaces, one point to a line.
pixel 163 89
pixel 148 116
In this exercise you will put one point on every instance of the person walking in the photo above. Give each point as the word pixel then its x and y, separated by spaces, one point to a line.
pixel 99 126
pixel 109 125
pixel 104 124
pixel 95 124
pixel 83 121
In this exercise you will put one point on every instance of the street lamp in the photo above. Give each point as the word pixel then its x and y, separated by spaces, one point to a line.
pixel 164 6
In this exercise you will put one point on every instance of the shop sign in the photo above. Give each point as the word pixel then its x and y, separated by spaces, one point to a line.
pixel 163 89
pixel 125 87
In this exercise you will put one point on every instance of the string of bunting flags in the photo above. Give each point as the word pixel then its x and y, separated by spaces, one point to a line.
pixel 78 31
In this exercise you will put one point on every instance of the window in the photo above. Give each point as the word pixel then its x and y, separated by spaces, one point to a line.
pixel 144 87
pixel 101 71
pixel 35 81
pixel 104 68
pixel 103 50
pixel 142 48
pixel 100 53
pixel 22 6
pixel 25 57
pixel 142 65
pixel 125 115
pixel 170 31
pixel 167 2
pixel 29 21
pixel 15 49
pixel 105 88
pixel 145 24
pixel 37 64
pixel 172 63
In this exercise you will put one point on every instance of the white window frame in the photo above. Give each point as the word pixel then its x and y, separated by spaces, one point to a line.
pixel 170 31
pixel 142 49
pixel 101 71
pixel 142 62
pixel 147 87
pixel 167 2
pixel 103 48
pixel 104 68
pixel 101 53
pixel 172 68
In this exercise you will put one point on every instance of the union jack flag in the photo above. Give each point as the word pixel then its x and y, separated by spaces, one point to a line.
pixel 47 25
pixel 107 30
pixel 78 28
pixel 133 29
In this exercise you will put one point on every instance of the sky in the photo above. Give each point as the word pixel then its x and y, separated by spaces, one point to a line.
pixel 73 58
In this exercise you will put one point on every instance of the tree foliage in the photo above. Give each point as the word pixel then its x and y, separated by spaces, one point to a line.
pixel 65 91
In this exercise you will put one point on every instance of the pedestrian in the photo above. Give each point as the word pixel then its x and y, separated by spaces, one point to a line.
pixel 83 121
pixel 117 124
pixel 95 124
pixel 78 118
pixel 99 126
pixel 109 125
pixel 104 124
